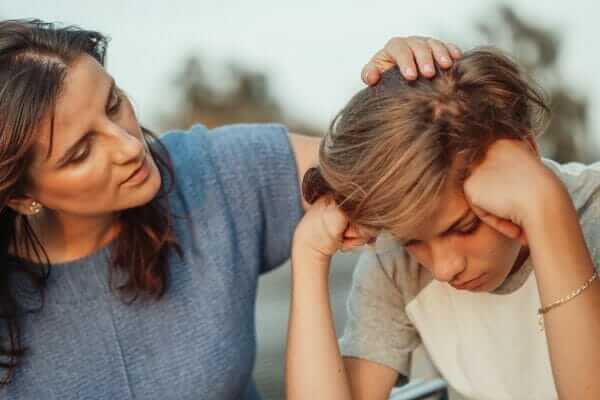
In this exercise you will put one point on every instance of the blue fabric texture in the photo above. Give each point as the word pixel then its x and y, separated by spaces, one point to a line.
pixel 237 193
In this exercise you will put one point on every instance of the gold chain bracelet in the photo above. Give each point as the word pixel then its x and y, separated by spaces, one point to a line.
pixel 575 293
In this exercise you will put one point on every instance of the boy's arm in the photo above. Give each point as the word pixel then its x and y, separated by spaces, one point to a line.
pixel 369 380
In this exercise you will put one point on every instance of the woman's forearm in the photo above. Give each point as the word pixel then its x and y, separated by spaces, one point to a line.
pixel 314 366
pixel 562 264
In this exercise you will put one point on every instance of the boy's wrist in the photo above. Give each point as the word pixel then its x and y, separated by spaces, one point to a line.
pixel 545 206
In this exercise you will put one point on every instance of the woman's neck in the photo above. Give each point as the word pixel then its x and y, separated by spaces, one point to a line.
pixel 68 237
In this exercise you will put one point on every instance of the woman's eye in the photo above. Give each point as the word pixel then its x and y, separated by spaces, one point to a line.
pixel 115 104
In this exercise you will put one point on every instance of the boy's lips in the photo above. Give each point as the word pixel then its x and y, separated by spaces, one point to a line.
pixel 470 284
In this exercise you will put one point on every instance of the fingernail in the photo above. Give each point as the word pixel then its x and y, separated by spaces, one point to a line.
pixel 367 76
pixel 444 60
pixel 410 72
pixel 428 69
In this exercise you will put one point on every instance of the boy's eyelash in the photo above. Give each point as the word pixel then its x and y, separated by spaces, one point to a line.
pixel 470 229
pixel 81 157
pixel 474 225
pixel 410 243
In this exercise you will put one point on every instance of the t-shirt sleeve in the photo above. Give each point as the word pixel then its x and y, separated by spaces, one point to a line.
pixel 257 171
pixel 377 328
pixel 589 217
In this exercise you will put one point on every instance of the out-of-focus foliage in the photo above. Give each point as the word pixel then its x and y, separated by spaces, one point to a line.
pixel 245 96
pixel 537 49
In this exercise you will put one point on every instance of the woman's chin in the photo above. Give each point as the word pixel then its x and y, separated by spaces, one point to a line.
pixel 146 192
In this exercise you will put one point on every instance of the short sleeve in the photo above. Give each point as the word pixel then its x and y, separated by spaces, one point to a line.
pixel 257 171
pixel 377 328
pixel 583 184
pixel 589 217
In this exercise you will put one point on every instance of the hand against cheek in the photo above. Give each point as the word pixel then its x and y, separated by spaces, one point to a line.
pixel 501 190
pixel 323 231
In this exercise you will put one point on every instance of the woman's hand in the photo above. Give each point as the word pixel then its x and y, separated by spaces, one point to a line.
pixel 408 53
pixel 507 186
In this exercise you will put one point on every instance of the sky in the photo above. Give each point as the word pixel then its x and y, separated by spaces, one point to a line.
pixel 311 50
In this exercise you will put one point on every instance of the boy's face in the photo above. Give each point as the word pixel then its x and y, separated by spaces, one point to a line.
pixel 460 249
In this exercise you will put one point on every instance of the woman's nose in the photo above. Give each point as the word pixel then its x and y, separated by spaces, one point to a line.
pixel 128 147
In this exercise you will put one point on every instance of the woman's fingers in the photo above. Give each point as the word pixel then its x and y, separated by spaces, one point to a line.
pixel 399 51
pixel 423 55
pixel 454 51
pixel 440 53
pixel 379 63
pixel 412 55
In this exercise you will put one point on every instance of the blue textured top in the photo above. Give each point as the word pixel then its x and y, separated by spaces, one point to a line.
pixel 237 188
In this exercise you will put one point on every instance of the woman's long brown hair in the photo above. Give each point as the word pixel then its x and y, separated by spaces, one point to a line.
pixel 34 59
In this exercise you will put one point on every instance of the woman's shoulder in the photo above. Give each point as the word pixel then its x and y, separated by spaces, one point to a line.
pixel 201 150
pixel 225 135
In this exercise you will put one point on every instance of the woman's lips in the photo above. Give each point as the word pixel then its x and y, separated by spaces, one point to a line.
pixel 139 175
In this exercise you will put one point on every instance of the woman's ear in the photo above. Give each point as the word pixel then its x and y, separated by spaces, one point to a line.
pixel 24 205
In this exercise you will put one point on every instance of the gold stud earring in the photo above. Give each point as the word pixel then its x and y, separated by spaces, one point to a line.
pixel 35 207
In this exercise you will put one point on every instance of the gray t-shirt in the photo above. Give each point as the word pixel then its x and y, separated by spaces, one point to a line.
pixel 236 192
pixel 482 343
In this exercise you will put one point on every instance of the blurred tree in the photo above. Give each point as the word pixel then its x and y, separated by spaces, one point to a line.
pixel 243 96
pixel 537 49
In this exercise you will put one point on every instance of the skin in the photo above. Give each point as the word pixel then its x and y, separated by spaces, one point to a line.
pixel 82 196
pixel 81 200
pixel 459 249
pixel 513 193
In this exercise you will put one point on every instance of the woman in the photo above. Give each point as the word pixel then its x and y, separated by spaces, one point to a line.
pixel 130 263
pixel 483 240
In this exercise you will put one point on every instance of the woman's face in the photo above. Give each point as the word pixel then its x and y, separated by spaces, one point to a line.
pixel 460 249
pixel 96 147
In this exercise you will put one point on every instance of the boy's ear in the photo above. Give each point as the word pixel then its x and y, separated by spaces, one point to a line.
pixel 533 145
pixel 351 232
pixel 355 232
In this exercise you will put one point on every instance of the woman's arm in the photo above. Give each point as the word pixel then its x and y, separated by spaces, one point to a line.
pixel 314 366
pixel 512 184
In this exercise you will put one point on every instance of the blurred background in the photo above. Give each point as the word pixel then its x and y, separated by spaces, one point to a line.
pixel 219 62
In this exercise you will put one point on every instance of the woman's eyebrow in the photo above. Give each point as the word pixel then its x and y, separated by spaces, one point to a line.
pixel 83 137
